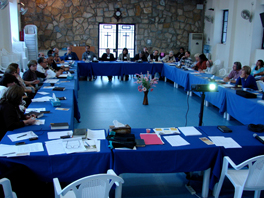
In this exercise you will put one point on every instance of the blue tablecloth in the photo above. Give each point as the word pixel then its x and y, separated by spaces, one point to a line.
pixel 250 147
pixel 178 76
pixel 114 68
pixel 166 159
pixel 245 110
pixel 67 167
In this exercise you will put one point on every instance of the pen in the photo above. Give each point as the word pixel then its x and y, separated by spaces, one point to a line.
pixel 87 144
pixel 21 136
pixel 9 153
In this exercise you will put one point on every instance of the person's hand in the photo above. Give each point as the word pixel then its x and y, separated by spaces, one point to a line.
pixel 29 121
pixel 255 75
pixel 35 82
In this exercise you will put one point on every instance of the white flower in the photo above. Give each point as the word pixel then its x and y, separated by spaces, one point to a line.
pixel 144 89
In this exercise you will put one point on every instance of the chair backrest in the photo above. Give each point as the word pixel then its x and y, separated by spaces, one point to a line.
pixel 259 86
pixel 93 186
pixel 218 64
pixel 255 177
pixel 222 72
pixel 7 188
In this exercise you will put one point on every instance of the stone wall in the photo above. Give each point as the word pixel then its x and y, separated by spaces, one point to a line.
pixel 167 23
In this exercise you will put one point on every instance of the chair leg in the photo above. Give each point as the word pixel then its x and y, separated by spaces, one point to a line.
pixel 238 192
pixel 219 186
pixel 257 193
pixel 118 191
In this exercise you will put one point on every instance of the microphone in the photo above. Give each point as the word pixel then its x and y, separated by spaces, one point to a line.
pixel 258 138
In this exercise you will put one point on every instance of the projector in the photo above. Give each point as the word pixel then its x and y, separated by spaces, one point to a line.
pixel 211 87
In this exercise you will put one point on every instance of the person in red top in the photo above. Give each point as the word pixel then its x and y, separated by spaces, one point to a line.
pixel 201 65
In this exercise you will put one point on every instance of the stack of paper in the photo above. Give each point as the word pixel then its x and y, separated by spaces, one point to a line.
pixel 51 81
pixel 22 150
pixel 189 131
pixel 226 142
pixel 42 99
pixel 43 93
pixel 96 134
pixel 165 131
pixel 39 122
pixel 35 110
pixel 22 136
pixel 176 140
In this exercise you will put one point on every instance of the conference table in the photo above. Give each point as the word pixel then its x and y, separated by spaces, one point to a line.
pixel 117 68
pixel 246 111
pixel 67 167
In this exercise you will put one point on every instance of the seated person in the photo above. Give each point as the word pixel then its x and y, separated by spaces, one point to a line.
pixel 32 75
pixel 169 58
pixel 41 54
pixel 8 80
pixel 186 60
pixel 108 56
pixel 202 63
pixel 141 56
pixel 145 51
pixel 88 55
pixel 44 69
pixel 210 68
pixel 124 56
pixel 10 115
pixel 196 57
pixel 258 69
pixel 26 85
pixel 235 73
pixel 154 56
pixel 246 80
pixel 52 64
pixel 69 55
pixel 180 54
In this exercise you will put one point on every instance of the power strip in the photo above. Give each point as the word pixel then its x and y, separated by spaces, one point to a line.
pixel 190 189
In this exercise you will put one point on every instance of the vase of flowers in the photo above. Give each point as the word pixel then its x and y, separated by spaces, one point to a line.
pixel 145 84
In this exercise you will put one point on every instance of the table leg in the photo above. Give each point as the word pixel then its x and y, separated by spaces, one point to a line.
pixel 227 116
pixel 92 78
pixel 119 78
pixel 124 78
pixel 206 179
pixel 224 115
pixel 176 85
pixel 165 79
pixel 189 93
pixel 206 103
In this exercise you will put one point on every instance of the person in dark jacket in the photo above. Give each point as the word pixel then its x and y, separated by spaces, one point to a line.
pixel 32 74
pixel 247 80
pixel 108 56
pixel 141 55
pixel 10 115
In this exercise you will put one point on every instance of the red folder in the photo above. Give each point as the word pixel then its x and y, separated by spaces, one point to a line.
pixel 151 138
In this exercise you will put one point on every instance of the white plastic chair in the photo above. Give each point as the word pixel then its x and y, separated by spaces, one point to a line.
pixel 251 179
pixel 217 63
pixel 91 186
pixel 222 72
pixel 259 86
pixel 7 188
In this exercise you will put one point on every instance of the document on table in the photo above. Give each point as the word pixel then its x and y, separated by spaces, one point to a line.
pixel 22 136
pixel 96 134
pixel 92 145
pixel 43 93
pixel 227 85
pixel 42 99
pixel 39 122
pixel 63 75
pixel 194 72
pixel 165 131
pixel 15 151
pixel 51 81
pixel 55 147
pixel 57 134
pixel 225 142
pixel 73 145
pixel 189 131
pixel 48 87
pixel 176 140
pixel 35 109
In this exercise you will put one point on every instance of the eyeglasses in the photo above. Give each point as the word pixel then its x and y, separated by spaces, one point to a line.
pixel 73 144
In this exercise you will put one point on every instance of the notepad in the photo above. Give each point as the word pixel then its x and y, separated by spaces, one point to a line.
pixel 96 134
pixel 189 131
pixel 151 138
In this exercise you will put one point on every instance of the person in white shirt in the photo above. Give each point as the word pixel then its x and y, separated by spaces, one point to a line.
pixel 43 68
pixel 210 69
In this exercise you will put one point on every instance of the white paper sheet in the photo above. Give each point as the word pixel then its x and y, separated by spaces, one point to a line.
pixel 22 150
pixel 227 85
pixel 73 145
pixel 96 134
pixel 22 136
pixel 225 142
pixel 165 131
pixel 29 148
pixel 92 145
pixel 48 87
pixel 39 122
pixel 51 81
pixel 63 75
pixel 55 147
pixel 35 109
pixel 189 131
pixel 43 93
pixel 42 99
pixel 57 135
pixel 176 140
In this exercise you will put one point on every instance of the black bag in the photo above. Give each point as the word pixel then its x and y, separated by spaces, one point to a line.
pixel 256 127
pixel 117 140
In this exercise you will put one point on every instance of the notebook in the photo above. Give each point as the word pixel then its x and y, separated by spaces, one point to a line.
pixel 151 138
